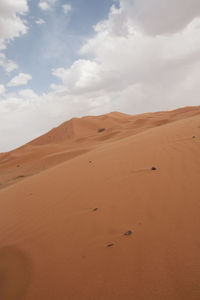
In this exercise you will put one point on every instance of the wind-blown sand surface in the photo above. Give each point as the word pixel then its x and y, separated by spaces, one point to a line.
pixel 56 225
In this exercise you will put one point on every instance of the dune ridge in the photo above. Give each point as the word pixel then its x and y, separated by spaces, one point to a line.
pixel 102 224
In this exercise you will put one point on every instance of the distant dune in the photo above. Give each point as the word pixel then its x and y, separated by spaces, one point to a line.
pixel 102 208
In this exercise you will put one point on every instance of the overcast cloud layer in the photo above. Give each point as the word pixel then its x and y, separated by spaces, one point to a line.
pixel 144 57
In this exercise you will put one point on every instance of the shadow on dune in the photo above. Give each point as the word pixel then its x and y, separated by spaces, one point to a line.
pixel 15 273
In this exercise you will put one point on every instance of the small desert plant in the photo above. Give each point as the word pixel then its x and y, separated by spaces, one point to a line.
pixel 101 129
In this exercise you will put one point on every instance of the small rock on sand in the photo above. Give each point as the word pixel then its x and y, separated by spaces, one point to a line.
pixel 153 168
pixel 110 245
pixel 129 232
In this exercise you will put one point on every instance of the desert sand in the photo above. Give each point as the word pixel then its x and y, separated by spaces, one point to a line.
pixel 104 215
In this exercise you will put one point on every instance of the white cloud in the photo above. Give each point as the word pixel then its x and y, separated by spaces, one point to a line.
pixel 2 89
pixel 67 8
pixel 158 17
pixel 20 79
pixel 83 73
pixel 46 5
pixel 11 23
pixel 7 64
pixel 27 94
pixel 124 59
pixel 40 21
pixel 9 7
pixel 10 66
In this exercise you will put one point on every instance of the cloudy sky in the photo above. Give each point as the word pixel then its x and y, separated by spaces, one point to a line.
pixel 67 58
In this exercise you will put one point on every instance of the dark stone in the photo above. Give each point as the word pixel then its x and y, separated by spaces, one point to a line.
pixel 129 232
pixel 153 168
pixel 95 209
pixel 193 136
pixel 90 161
pixel 101 129
pixel 110 245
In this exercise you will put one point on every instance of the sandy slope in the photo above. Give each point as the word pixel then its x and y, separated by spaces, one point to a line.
pixel 54 246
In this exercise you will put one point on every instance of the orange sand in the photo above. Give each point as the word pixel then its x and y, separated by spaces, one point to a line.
pixel 54 246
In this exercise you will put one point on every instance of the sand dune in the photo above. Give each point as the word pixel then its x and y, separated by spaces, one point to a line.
pixel 78 136
pixel 98 223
